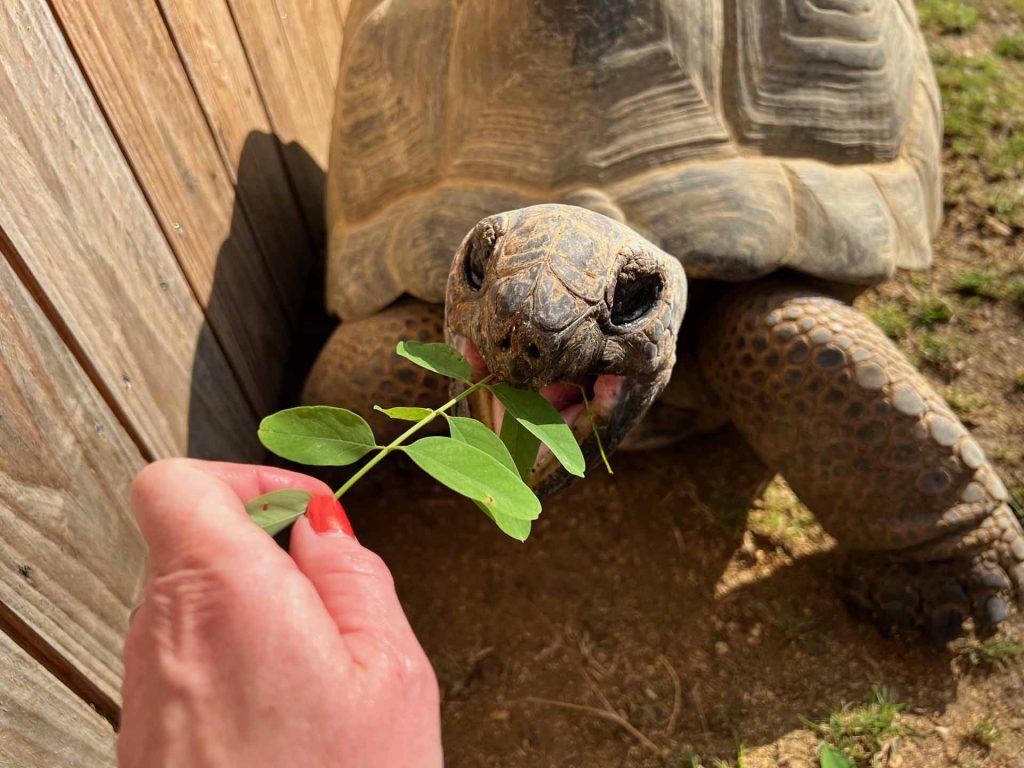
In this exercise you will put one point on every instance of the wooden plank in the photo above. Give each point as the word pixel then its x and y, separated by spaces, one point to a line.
pixel 43 724
pixel 128 56
pixel 79 223
pixel 71 558
pixel 294 46
pixel 212 52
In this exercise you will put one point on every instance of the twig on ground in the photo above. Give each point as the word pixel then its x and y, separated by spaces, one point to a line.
pixel 610 716
pixel 677 693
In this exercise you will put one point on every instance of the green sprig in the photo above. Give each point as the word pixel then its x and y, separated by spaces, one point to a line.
pixel 491 470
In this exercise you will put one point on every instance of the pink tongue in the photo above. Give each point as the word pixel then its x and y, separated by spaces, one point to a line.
pixel 561 395
pixel 472 354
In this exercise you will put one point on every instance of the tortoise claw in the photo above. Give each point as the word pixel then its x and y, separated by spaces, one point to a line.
pixel 935 598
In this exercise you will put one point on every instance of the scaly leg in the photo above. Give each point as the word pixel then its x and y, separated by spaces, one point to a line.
pixel 358 367
pixel 827 400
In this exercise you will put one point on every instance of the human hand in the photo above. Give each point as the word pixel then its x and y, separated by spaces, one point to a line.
pixel 241 655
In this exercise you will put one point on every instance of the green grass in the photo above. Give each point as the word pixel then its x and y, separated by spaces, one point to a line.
pixel 891 318
pixel 994 652
pixel 930 311
pixel 984 130
pixel 741 759
pixel 782 517
pixel 686 758
pixel 964 404
pixel 976 282
pixel 861 731
pixel 1011 47
pixel 934 350
pixel 1016 292
pixel 1018 380
pixel 949 16
pixel 984 733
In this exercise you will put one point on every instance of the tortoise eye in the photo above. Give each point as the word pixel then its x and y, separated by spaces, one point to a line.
pixel 637 291
pixel 478 253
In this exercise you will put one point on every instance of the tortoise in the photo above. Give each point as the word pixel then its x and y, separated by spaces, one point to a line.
pixel 608 158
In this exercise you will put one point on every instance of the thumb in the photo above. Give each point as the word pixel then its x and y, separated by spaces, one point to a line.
pixel 354 584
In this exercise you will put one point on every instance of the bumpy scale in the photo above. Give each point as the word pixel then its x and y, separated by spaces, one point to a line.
pixel 831 403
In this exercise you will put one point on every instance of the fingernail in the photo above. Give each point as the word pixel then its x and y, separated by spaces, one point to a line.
pixel 326 515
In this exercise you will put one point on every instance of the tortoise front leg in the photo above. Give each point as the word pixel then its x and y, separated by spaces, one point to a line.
pixel 827 400
pixel 358 367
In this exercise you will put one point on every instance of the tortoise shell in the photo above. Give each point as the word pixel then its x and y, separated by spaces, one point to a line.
pixel 741 136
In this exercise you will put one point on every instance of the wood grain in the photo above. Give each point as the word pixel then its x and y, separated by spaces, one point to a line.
pixel 208 43
pixel 129 58
pixel 43 724
pixel 294 46
pixel 71 558
pixel 80 226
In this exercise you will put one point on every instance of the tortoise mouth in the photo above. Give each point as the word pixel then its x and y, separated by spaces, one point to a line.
pixel 589 403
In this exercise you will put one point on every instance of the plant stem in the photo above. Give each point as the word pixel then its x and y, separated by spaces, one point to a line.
pixel 409 432
pixel 593 425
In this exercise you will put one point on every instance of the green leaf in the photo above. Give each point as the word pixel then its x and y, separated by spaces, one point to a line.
pixel 517 529
pixel 540 417
pixel 833 757
pixel 317 435
pixel 275 511
pixel 405 413
pixel 521 444
pixel 475 433
pixel 475 474
pixel 439 358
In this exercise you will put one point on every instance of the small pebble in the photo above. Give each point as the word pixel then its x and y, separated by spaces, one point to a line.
pixel 721 648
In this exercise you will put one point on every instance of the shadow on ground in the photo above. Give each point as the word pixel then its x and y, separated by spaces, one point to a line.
pixel 630 586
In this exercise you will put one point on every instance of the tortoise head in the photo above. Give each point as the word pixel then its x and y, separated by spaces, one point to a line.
pixel 566 301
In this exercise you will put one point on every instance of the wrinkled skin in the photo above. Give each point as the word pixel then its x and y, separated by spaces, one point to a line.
pixel 558 294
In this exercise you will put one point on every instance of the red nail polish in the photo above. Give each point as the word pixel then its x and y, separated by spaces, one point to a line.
pixel 326 515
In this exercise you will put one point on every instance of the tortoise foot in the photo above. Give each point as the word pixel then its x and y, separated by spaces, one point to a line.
pixel 935 599
pixel 880 458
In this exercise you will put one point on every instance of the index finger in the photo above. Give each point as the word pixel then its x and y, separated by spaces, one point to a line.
pixel 251 480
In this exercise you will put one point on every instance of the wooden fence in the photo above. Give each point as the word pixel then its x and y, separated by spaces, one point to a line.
pixel 161 176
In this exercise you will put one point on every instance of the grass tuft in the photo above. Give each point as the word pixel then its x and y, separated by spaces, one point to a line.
pixel 984 130
pixel 949 16
pixel 994 652
pixel 1011 47
pixel 964 404
pixel 934 350
pixel 930 311
pixel 1016 292
pixel 891 318
pixel 984 733
pixel 977 282
pixel 862 731
pixel 781 516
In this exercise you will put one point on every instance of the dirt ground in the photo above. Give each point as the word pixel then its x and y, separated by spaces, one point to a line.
pixel 674 615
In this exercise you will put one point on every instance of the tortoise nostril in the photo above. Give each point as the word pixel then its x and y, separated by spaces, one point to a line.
pixel 636 293
pixel 533 351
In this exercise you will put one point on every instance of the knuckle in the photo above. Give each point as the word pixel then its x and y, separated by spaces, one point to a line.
pixel 411 673
pixel 363 563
